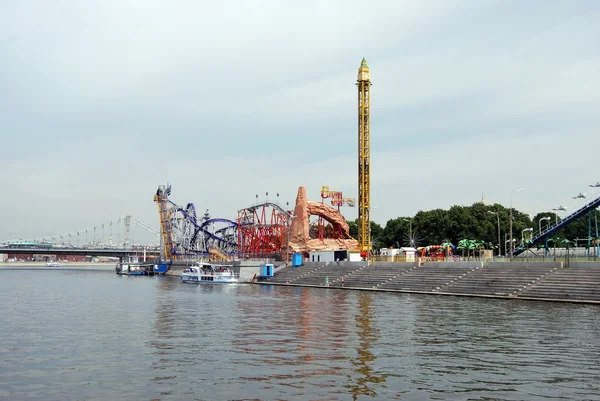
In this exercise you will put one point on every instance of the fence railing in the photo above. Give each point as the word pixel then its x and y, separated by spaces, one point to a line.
pixel 549 258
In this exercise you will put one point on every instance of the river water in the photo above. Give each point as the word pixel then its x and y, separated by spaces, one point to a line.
pixel 74 335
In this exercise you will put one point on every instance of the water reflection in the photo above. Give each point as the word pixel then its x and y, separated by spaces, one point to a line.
pixel 304 349
pixel 300 334
pixel 166 315
pixel 163 340
pixel 366 376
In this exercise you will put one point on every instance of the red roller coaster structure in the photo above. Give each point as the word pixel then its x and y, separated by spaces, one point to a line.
pixel 262 230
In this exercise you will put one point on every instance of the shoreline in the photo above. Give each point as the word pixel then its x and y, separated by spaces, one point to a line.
pixel 65 264
pixel 88 266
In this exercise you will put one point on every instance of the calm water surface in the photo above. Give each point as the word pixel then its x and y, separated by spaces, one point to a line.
pixel 99 336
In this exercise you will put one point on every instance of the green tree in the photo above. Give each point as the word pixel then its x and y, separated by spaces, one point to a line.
pixel 353 226
pixel 396 232
pixel 377 237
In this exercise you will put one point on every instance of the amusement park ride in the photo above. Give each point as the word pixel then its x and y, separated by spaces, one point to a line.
pixel 184 236
pixel 363 83
pixel 337 200
pixel 262 230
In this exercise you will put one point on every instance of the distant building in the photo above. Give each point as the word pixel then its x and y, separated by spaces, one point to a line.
pixel 389 251
pixel 407 253
pixel 341 255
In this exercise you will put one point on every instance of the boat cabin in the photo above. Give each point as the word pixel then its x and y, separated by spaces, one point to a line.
pixel 208 272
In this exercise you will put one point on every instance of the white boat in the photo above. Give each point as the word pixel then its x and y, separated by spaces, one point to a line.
pixel 209 273
pixel 52 264
pixel 131 266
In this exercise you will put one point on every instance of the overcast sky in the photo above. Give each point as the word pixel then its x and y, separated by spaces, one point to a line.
pixel 102 101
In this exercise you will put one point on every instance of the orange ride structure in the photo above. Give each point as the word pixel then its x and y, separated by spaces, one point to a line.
pixel 268 230
pixel 363 83
pixel 337 200
pixel 299 235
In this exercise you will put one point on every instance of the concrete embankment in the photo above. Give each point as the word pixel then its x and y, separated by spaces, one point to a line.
pixel 542 281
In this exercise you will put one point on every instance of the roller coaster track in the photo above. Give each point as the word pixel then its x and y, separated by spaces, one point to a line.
pixel 267 204
pixel 201 227
pixel 218 236
pixel 557 226
pixel 218 220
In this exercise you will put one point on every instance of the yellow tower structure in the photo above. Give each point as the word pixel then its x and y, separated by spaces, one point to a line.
pixel 363 82
pixel 166 230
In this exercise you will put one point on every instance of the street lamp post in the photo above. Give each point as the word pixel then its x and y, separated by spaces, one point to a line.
pixel 499 243
pixel 528 230
pixel 594 186
pixel 540 222
pixel 287 252
pixel 290 219
pixel 410 237
pixel 512 245
pixel 546 240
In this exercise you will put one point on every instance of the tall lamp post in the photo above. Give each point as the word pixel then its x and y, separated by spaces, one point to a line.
pixel 546 240
pixel 526 230
pixel 499 243
pixel 410 237
pixel 540 222
pixel 594 186
pixel 559 209
pixel 289 222
pixel 287 256
pixel 512 244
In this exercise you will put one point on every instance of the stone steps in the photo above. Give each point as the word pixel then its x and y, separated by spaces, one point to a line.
pixel 534 280
pixel 425 279
pixel 567 283
pixel 333 273
pixel 373 277
pixel 291 274
pixel 499 280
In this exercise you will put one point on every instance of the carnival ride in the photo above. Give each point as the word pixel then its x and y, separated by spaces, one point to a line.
pixel 545 234
pixel 263 230
pixel 363 83
pixel 260 231
pixel 185 236
pixel 321 230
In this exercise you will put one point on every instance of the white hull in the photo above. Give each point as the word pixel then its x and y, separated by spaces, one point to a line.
pixel 206 273
pixel 208 279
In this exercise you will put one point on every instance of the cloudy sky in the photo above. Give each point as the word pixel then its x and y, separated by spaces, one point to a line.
pixel 102 101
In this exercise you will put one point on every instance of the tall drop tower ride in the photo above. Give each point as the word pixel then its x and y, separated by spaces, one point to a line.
pixel 363 82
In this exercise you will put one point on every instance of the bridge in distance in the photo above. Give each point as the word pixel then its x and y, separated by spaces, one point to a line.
pixel 114 252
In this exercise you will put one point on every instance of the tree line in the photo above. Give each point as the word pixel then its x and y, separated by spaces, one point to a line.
pixel 476 222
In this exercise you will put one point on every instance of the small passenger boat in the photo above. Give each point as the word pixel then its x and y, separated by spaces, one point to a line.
pixel 52 264
pixel 132 266
pixel 208 273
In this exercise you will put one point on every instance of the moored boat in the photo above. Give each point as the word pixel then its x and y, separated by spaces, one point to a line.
pixel 209 273
pixel 133 267
pixel 52 264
